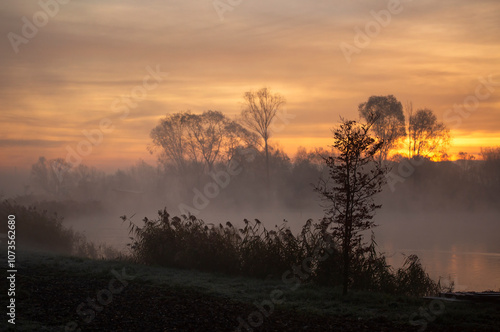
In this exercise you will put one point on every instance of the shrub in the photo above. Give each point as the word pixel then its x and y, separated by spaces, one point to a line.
pixel 188 242
pixel 411 279
pixel 37 229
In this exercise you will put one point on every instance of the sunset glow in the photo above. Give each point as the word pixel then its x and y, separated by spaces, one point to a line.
pixel 85 62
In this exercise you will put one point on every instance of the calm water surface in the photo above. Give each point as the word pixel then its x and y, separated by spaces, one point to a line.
pixel 470 271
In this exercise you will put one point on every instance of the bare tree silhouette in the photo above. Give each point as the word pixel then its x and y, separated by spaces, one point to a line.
pixel 260 109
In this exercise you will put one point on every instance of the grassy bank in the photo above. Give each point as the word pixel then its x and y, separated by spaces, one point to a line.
pixel 53 292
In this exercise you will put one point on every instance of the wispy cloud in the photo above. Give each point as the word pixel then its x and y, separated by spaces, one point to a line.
pixel 92 52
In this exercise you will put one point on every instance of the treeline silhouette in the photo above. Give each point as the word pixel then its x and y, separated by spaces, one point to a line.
pixel 462 184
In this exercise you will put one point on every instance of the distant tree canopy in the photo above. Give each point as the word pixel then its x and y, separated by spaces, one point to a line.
pixel 50 176
pixel 56 178
pixel 427 137
pixel 491 168
pixel 198 140
pixel 389 125
pixel 491 153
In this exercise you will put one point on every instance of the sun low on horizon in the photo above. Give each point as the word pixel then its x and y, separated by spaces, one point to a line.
pixel 106 72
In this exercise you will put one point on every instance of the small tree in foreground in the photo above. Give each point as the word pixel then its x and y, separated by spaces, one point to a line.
pixel 356 179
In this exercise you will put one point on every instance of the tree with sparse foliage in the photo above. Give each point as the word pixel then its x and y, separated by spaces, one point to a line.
pixel 356 177
pixel 198 140
pixel 427 137
pixel 390 124
pixel 260 109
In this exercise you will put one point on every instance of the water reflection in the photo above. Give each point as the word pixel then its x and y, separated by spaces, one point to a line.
pixel 470 271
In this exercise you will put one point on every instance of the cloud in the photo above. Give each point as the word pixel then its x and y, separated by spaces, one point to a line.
pixel 39 143
pixel 65 79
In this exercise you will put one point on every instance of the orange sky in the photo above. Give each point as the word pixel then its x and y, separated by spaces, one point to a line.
pixel 66 78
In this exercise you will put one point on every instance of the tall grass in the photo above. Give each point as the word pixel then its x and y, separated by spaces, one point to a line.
pixel 253 250
pixel 191 243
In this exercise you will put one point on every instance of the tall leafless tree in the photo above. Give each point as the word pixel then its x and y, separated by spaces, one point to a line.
pixel 260 109
pixel 409 116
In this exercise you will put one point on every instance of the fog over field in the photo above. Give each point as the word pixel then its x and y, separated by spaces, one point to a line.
pixel 416 216
pixel 230 165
